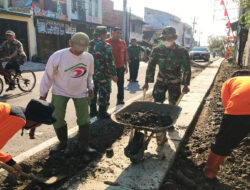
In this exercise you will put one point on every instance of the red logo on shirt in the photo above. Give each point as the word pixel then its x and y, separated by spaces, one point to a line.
pixel 78 70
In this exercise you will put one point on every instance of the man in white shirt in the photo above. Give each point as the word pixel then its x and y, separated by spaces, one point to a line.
pixel 69 71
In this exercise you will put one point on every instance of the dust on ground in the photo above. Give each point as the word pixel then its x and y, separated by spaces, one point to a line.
pixel 187 171
pixel 44 165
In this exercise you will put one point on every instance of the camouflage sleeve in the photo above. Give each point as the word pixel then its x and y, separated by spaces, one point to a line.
pixel 91 48
pixel 141 49
pixel 110 60
pixel 19 48
pixel 186 68
pixel 150 73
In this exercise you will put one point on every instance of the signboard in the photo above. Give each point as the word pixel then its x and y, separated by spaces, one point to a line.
pixel 70 29
pixel 50 27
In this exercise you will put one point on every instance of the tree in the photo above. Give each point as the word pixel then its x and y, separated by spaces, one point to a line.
pixel 244 6
pixel 216 44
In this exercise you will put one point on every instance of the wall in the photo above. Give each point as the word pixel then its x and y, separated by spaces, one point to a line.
pixel 246 55
pixel 30 28
pixel 156 19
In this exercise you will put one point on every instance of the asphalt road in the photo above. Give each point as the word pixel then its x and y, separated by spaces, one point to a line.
pixel 19 144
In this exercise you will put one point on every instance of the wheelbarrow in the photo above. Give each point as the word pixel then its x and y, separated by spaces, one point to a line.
pixel 146 133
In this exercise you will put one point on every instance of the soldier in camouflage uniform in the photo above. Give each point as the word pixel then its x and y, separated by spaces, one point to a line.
pixel 173 62
pixel 15 56
pixel 104 72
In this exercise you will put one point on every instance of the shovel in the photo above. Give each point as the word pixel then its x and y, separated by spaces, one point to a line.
pixel 49 181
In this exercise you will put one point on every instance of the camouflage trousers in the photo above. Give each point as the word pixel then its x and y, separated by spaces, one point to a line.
pixel 160 89
pixel 101 93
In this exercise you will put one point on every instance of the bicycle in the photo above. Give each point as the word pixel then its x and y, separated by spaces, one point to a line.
pixel 25 80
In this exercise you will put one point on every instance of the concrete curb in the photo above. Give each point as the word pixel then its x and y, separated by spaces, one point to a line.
pixel 118 172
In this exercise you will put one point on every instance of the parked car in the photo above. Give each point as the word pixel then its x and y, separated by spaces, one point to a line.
pixel 199 53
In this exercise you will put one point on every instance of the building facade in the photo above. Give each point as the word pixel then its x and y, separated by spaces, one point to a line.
pixel 45 26
pixel 157 20
pixel 114 18
pixel 15 16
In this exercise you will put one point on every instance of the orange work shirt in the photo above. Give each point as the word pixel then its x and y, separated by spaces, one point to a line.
pixel 119 51
pixel 235 96
pixel 9 125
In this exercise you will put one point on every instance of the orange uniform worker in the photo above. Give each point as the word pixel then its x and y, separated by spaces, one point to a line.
pixel 13 118
pixel 235 124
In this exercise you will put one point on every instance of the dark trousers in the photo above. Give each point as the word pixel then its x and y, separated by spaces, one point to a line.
pixel 120 84
pixel 133 69
pixel 233 129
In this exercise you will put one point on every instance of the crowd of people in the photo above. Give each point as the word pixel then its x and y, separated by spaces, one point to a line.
pixel 84 72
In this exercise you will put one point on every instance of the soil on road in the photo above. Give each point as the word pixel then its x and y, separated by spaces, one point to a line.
pixel 187 171
pixel 44 164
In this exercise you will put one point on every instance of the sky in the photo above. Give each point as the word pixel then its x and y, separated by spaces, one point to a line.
pixel 209 14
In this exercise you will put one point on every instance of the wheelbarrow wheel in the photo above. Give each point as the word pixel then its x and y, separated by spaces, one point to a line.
pixel 161 138
pixel 137 157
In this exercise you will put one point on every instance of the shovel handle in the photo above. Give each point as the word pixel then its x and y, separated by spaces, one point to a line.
pixel 179 100
pixel 144 94
pixel 10 169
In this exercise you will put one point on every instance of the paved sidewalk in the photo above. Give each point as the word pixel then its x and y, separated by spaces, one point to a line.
pixel 29 65
pixel 33 66
pixel 118 173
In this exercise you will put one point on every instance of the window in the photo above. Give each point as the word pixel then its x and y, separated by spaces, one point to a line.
pixel 90 7
pixel 133 27
pixel 73 5
pixel 96 8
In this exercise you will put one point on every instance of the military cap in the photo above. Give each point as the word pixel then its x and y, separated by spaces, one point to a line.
pixel 101 30
pixel 80 41
pixel 116 29
pixel 169 31
pixel 10 32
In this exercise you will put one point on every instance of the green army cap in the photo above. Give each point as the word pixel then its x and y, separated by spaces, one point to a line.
pixel 168 31
pixel 80 41
pixel 100 30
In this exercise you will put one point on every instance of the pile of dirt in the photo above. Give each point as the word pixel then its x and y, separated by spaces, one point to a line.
pixel 149 119
pixel 187 171
pixel 45 164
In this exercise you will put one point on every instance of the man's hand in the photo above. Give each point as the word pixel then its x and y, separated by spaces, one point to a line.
pixel 115 78
pixel 145 86
pixel 185 89
pixel 90 94
pixel 4 59
pixel 18 170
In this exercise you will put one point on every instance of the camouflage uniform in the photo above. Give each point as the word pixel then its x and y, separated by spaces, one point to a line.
pixel 134 60
pixel 9 48
pixel 172 63
pixel 104 71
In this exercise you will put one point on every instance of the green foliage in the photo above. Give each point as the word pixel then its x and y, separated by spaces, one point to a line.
pixel 216 44
pixel 244 5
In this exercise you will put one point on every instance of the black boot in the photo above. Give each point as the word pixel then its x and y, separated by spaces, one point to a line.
pixel 84 140
pixel 93 111
pixel 11 87
pixel 62 135
pixel 103 114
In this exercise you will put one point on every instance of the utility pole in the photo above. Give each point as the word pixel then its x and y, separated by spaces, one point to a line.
pixel 124 22
pixel 129 24
pixel 194 23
